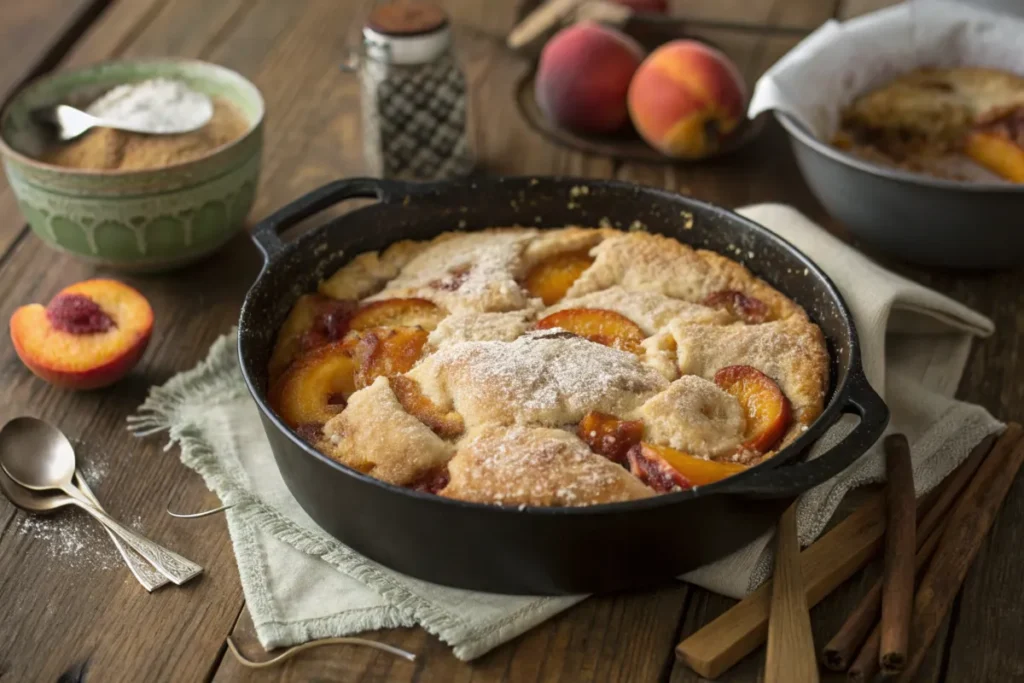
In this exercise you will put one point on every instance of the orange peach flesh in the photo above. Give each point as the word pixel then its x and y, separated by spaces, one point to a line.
pixel 550 279
pixel 305 392
pixel 412 312
pixel 767 408
pixel 598 325
pixel 998 153
pixel 697 471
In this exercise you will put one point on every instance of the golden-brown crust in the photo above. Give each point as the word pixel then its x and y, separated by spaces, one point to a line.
pixel 376 436
pixel 517 393
pixel 537 466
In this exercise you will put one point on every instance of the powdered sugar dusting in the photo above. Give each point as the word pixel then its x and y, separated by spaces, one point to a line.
pixel 548 377
pixel 537 466
pixel 466 272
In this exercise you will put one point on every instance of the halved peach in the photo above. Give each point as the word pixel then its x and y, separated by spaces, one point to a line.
pixel 552 277
pixel 413 312
pixel 385 351
pixel 766 407
pixel 446 424
pixel 749 309
pixel 314 320
pixel 667 469
pixel 598 325
pixel 89 336
pixel 316 387
pixel 609 436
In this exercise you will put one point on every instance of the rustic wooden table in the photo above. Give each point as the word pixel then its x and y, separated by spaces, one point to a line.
pixel 64 604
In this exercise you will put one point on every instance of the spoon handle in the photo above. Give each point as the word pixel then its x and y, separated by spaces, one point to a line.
pixel 150 578
pixel 170 564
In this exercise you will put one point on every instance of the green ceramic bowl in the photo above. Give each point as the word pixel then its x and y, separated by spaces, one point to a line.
pixel 146 220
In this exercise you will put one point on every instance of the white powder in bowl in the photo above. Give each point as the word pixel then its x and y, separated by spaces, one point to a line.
pixel 159 105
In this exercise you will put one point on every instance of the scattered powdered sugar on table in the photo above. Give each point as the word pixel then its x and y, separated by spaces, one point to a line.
pixel 158 105
pixel 72 536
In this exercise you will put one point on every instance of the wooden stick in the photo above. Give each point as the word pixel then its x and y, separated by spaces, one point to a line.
pixel 966 529
pixel 825 564
pixel 541 19
pixel 790 642
pixel 898 573
pixel 840 651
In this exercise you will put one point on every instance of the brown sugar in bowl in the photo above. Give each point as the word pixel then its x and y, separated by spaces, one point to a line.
pixel 130 210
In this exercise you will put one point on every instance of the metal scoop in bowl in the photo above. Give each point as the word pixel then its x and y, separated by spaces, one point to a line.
pixel 153 107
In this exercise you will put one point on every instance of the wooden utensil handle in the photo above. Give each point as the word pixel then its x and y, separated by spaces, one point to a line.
pixel 790 642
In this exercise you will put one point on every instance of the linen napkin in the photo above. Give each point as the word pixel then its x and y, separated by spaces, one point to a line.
pixel 301 584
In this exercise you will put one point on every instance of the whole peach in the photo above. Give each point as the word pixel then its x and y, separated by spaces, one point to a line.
pixel 584 75
pixel 686 98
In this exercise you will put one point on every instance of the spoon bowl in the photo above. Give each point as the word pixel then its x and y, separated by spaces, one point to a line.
pixel 29 500
pixel 36 454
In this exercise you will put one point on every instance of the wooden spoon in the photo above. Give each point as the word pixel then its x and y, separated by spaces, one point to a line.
pixel 790 643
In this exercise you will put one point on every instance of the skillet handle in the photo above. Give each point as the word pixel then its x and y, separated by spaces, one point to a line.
pixel 789 481
pixel 267 232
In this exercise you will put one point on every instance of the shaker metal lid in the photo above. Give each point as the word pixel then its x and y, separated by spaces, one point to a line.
pixel 406 32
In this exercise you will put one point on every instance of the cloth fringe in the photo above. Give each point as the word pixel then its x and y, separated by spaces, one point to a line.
pixel 215 379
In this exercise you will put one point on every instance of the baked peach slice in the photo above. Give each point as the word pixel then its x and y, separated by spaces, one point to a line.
pixel 998 144
pixel 609 436
pixel 766 407
pixel 315 320
pixel 667 469
pixel 385 352
pixel 446 424
pixel 89 336
pixel 598 325
pixel 413 312
pixel 315 388
pixel 552 277
pixel 749 309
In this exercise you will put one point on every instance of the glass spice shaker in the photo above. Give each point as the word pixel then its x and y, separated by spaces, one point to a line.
pixel 414 96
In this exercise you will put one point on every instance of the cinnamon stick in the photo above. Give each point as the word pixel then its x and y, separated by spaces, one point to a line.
pixel 965 532
pixel 866 664
pixel 898 573
pixel 839 652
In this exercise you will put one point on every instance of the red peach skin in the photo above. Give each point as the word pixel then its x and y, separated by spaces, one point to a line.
pixel 81 353
pixel 686 98
pixel 584 75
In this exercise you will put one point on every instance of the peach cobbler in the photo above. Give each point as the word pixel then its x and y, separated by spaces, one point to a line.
pixel 574 366
pixel 928 119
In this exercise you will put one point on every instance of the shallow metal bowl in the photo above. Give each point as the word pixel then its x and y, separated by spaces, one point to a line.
pixel 925 220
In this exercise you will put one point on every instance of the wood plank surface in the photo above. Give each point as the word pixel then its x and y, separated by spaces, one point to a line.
pixel 66 599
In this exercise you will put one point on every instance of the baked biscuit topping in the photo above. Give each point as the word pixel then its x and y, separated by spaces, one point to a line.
pixel 576 366
pixel 924 120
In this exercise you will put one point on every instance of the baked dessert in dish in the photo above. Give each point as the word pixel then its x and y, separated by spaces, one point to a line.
pixel 555 367
pixel 933 120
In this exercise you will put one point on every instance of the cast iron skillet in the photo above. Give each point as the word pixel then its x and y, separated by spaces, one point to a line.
pixel 541 550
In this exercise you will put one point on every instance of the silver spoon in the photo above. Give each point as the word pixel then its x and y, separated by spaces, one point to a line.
pixel 176 109
pixel 38 456
pixel 30 501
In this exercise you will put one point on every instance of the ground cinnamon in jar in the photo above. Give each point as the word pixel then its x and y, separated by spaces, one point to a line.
pixel 110 149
